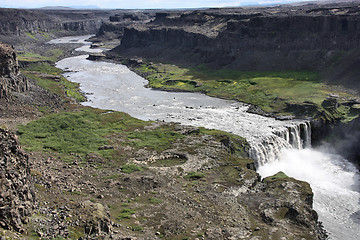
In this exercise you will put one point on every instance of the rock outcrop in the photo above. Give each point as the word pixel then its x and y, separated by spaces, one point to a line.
pixel 10 77
pixel 16 190
pixel 114 27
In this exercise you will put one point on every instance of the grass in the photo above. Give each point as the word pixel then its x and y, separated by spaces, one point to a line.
pixel 155 200
pixel 64 132
pixel 130 168
pixel 269 90
pixel 82 131
pixel 158 139
pixel 30 35
pixel 62 87
pixel 125 213
pixel 52 56
pixel 195 175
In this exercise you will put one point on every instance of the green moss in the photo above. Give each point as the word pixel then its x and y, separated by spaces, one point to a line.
pixel 82 131
pixel 277 176
pixel 236 145
pixel 31 57
pixel 155 200
pixel 51 56
pixel 64 132
pixel 55 54
pixel 158 139
pixel 62 87
pixel 194 175
pixel 31 35
pixel 130 168
pixel 136 228
pixel 44 68
pixel 125 213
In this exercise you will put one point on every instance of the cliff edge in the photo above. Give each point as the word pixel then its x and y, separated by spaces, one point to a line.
pixel 10 76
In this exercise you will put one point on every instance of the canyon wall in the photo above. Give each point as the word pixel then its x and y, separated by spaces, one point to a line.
pixel 278 38
pixel 20 21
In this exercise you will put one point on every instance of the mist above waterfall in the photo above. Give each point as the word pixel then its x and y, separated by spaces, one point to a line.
pixel 344 139
pixel 335 183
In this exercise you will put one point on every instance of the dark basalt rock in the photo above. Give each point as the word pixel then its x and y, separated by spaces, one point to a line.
pixel 259 39
pixel 10 77
pixel 16 189
pixel 96 56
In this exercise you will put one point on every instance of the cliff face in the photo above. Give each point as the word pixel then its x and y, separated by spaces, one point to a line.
pixel 19 21
pixel 114 28
pixel 16 190
pixel 278 38
pixel 10 77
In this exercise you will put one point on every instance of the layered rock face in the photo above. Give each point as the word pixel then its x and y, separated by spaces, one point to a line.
pixel 114 28
pixel 10 77
pixel 20 21
pixel 306 37
pixel 16 190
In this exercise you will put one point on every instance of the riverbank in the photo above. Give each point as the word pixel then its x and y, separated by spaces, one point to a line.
pixel 286 94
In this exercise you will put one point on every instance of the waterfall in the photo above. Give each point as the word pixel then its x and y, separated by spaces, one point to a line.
pixel 268 149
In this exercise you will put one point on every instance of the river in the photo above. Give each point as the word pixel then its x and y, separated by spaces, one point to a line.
pixel 335 181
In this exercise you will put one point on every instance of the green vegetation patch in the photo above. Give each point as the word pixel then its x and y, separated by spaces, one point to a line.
pixel 76 132
pixel 50 78
pixel 125 213
pixel 51 56
pixel 158 139
pixel 130 168
pixel 236 145
pixel 155 200
pixel 82 131
pixel 277 176
pixel 277 181
pixel 30 35
pixel 272 91
pixel 195 175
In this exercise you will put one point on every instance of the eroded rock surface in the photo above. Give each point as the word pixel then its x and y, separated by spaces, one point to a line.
pixel 16 188
pixel 10 77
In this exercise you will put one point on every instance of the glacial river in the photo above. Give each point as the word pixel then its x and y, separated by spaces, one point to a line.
pixel 335 181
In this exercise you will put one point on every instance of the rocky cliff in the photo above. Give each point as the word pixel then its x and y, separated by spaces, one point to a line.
pixel 10 77
pixel 306 37
pixel 20 21
pixel 16 190
pixel 114 27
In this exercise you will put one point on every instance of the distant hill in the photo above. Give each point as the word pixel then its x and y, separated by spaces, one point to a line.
pixel 55 8
pixel 70 7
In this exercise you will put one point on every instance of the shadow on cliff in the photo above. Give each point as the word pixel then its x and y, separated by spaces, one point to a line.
pixel 344 69
pixel 344 140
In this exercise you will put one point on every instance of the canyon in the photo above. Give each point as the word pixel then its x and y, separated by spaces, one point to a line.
pixel 203 183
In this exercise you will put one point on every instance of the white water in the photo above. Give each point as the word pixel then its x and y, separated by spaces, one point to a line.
pixel 335 182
